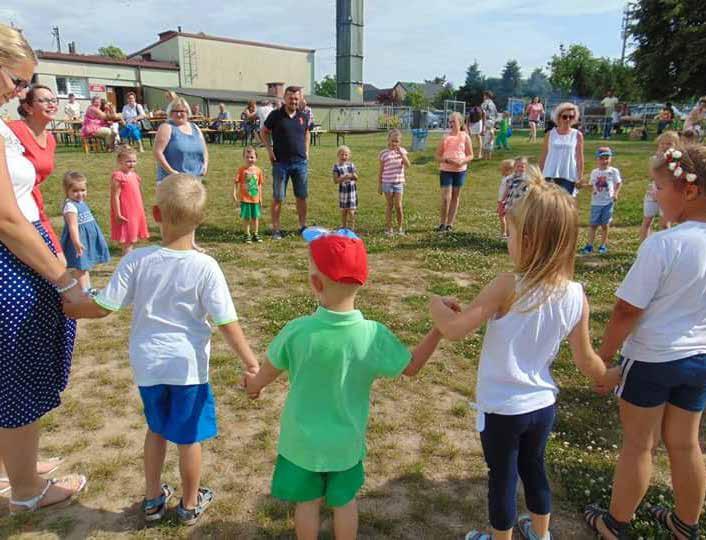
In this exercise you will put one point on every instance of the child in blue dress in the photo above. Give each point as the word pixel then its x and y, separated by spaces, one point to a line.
pixel 82 239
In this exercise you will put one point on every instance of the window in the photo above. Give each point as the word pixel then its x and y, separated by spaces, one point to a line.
pixel 70 85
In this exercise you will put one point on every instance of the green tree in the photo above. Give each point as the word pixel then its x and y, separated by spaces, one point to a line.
pixel 511 79
pixel 537 84
pixel 670 53
pixel 437 80
pixel 415 98
pixel 111 51
pixel 448 92
pixel 473 87
pixel 326 87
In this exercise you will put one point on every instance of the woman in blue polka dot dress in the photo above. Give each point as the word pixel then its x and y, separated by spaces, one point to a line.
pixel 36 340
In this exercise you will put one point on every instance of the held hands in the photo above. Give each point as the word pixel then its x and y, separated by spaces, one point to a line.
pixel 271 153
pixel 79 247
pixel 449 302
pixel 122 219
pixel 249 382
pixel 608 382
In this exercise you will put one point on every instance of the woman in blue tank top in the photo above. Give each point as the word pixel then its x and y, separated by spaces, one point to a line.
pixel 179 146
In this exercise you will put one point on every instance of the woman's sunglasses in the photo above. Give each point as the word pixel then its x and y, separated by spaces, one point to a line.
pixel 20 84
pixel 568 116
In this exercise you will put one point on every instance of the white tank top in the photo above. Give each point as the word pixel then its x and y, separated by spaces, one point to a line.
pixel 561 156
pixel 22 173
pixel 518 350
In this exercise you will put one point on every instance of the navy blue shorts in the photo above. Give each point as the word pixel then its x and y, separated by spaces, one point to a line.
pixel 298 171
pixel 681 383
pixel 181 414
pixel 452 179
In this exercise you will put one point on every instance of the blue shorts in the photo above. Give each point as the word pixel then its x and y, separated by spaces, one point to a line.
pixel 452 179
pixel 681 383
pixel 390 187
pixel 131 132
pixel 602 215
pixel 181 414
pixel 298 171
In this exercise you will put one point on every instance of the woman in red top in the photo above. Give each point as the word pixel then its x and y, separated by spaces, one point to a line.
pixel 38 109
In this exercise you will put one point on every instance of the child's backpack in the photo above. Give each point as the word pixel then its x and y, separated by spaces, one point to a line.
pixel 475 114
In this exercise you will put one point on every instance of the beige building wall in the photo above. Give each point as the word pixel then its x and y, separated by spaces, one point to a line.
pixel 220 65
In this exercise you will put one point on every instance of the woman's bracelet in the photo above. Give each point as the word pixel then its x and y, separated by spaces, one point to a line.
pixel 71 285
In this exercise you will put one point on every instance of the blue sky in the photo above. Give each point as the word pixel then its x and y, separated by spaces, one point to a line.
pixel 404 39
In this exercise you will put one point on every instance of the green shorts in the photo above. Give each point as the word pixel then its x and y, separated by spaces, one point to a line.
pixel 292 483
pixel 249 210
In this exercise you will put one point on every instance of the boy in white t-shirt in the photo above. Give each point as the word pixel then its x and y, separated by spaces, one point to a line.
pixel 660 320
pixel 605 183
pixel 173 289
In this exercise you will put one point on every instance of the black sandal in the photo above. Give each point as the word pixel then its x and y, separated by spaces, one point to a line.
pixel 593 513
pixel 664 516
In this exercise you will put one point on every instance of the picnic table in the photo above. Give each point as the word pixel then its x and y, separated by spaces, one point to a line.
pixel 341 133
pixel 316 135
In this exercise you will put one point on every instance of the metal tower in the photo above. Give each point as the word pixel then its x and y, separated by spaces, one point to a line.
pixel 349 50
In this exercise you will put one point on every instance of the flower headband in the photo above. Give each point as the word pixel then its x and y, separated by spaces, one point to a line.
pixel 673 157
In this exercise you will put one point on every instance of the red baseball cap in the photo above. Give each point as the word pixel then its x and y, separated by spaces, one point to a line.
pixel 340 258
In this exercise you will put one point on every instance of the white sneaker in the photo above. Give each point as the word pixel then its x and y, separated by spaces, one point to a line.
pixel 389 233
pixel 401 232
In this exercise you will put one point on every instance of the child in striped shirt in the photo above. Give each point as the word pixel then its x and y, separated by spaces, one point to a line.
pixel 391 179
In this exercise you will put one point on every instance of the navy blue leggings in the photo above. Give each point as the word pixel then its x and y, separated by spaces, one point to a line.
pixel 514 445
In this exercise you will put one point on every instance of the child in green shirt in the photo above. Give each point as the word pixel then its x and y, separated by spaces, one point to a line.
pixel 332 358
pixel 503 132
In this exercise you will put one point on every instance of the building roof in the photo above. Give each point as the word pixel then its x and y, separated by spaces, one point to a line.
pixel 240 96
pixel 371 92
pixel 169 34
pixel 96 59
pixel 430 90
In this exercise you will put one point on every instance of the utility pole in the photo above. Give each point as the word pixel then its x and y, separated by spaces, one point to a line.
pixel 57 37
pixel 628 12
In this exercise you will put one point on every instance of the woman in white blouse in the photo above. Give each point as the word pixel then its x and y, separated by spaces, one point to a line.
pixel 562 152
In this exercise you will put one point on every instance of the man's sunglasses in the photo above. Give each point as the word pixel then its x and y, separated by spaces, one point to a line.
pixel 20 84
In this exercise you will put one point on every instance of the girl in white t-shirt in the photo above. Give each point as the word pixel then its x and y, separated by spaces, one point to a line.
pixel 528 313
pixel 650 208
pixel 660 320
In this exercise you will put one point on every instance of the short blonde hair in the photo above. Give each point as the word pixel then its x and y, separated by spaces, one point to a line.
pixel 14 48
pixel 181 199
pixel 71 178
pixel 507 164
pixel 563 107
pixel 670 137
pixel 249 148
pixel 394 133
pixel 124 150
pixel 180 101
pixel 461 121
pixel 547 222
pixel 343 148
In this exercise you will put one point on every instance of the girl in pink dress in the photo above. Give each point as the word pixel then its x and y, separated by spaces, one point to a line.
pixel 128 223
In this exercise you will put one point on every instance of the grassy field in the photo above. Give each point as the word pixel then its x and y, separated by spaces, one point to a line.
pixel 426 477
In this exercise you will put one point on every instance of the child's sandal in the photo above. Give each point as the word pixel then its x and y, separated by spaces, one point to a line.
pixel 593 513
pixel 478 535
pixel 670 521
pixel 154 509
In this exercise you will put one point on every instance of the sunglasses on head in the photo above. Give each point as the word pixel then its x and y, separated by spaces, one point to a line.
pixel 20 84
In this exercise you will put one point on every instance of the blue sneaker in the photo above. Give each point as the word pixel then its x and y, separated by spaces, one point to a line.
pixel 586 250
pixel 603 249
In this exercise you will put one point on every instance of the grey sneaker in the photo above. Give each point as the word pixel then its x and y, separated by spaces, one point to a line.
pixel 276 235
pixel 154 509
pixel 189 516
pixel 524 525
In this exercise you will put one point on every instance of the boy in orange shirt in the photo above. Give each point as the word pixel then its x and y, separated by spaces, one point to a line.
pixel 248 190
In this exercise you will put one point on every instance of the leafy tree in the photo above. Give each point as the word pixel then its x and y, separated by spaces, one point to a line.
pixel 537 85
pixel 415 98
pixel 437 80
pixel 111 51
pixel 670 54
pixel 326 87
pixel 511 79
pixel 448 92
pixel 472 89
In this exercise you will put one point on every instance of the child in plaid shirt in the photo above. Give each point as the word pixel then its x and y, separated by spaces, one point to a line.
pixel 346 176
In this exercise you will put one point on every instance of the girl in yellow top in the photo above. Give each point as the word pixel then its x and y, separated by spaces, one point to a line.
pixel 247 190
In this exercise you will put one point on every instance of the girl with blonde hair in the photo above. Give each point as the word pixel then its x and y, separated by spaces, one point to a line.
pixel 528 313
